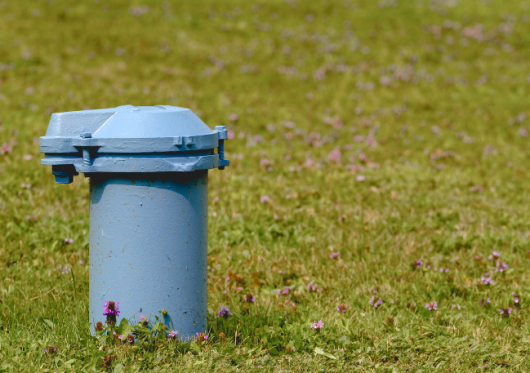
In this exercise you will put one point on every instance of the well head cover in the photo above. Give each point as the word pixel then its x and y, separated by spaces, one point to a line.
pixel 131 139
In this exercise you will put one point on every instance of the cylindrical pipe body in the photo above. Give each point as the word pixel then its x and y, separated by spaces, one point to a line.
pixel 148 247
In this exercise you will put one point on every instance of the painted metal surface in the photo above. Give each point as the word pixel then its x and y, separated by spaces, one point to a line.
pixel 148 247
pixel 148 169
pixel 131 139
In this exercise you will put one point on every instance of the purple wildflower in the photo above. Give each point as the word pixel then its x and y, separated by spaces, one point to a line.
pixel 484 302
pixel 111 308
pixel 265 199
pixel 201 337
pixel 431 306
pixel 334 155
pixel 249 298
pixel 51 349
pixel 224 312
pixel 501 267
pixel 505 312
pixel 317 325
pixel 144 321
pixel 486 280
pixel 173 335
pixel 311 287
pixel 107 361
pixel 112 311
pixel 342 308
pixel 334 255
pixel 285 290
pixel 376 301
pixel 418 263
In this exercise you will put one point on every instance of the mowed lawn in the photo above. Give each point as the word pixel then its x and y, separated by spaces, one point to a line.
pixel 378 185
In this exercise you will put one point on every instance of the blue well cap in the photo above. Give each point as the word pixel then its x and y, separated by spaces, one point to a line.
pixel 131 139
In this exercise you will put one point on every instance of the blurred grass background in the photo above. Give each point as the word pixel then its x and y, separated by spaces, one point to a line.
pixel 389 131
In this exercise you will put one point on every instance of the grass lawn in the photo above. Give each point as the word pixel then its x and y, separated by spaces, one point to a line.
pixel 378 180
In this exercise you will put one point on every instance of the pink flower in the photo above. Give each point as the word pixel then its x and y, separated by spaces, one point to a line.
pixel 334 156
pixel 111 308
pixel 313 287
pixel 233 117
pixel 483 302
pixel 317 325
pixel 505 312
pixel 285 290
pixel 265 199
pixel 431 306
pixel 320 74
pixel 376 301
pixel 358 138
pixel 501 268
pixel 224 312
pixel 334 255
pixel 360 178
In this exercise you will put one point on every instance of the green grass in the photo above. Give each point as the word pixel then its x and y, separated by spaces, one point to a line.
pixel 437 92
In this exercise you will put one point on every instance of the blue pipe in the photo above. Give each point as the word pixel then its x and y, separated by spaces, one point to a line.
pixel 148 247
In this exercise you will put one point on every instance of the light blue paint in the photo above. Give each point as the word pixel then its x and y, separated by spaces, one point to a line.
pixel 148 247
pixel 131 139
pixel 148 206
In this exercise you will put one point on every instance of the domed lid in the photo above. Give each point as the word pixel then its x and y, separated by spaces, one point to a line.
pixel 107 140
pixel 112 130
